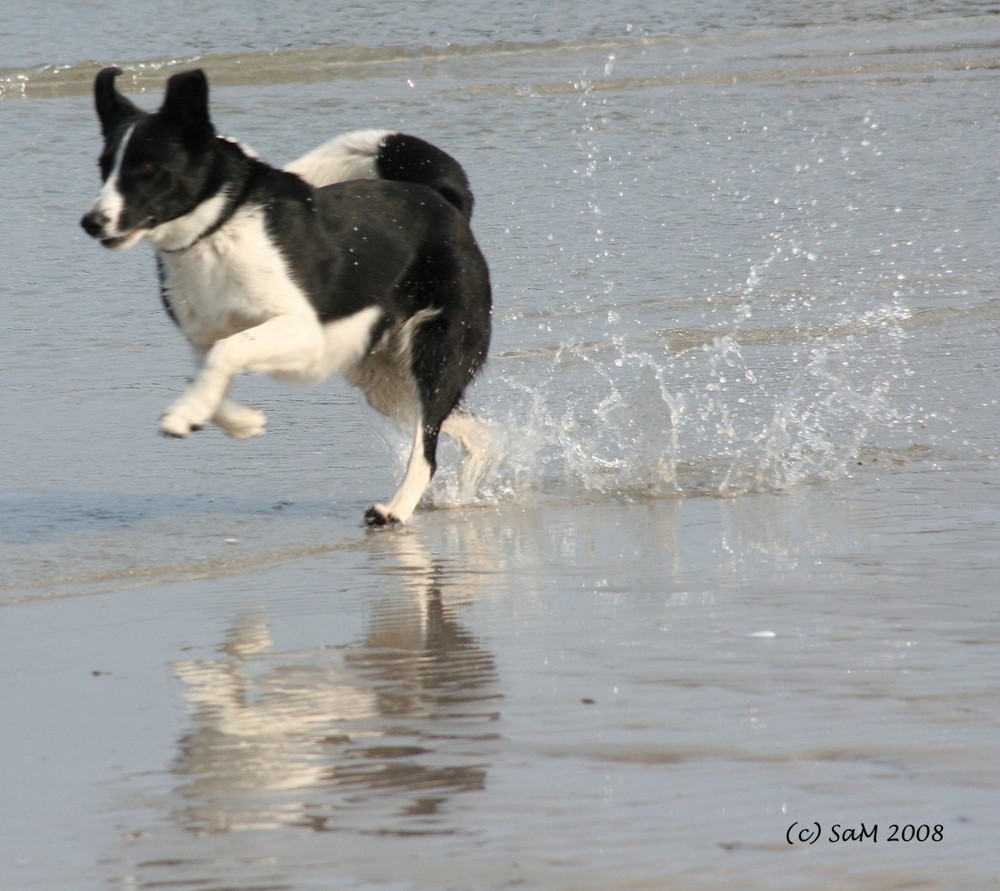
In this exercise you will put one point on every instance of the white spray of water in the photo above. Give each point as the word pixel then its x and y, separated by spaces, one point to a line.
pixel 631 418
pixel 771 395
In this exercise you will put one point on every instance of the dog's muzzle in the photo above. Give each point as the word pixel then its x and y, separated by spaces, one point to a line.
pixel 94 222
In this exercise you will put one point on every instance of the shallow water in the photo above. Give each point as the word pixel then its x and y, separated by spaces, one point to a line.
pixel 734 568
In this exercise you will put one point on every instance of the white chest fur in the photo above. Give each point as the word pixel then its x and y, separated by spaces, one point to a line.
pixel 231 281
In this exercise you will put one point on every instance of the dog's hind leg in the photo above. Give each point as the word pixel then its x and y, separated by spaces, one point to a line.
pixel 419 470
pixel 478 444
pixel 479 449
pixel 437 412
pixel 436 396
pixel 443 358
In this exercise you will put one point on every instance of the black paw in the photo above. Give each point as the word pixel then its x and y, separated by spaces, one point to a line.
pixel 169 434
pixel 378 517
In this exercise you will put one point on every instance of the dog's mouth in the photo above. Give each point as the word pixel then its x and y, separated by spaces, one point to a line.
pixel 120 242
pixel 96 224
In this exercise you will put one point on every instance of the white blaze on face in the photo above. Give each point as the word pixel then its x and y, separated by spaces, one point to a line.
pixel 110 201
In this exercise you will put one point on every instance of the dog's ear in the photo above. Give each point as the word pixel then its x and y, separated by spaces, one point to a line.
pixel 112 106
pixel 186 104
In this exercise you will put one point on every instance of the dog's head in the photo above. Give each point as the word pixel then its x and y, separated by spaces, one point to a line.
pixel 155 166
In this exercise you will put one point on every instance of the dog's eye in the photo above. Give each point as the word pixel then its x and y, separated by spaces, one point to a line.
pixel 145 168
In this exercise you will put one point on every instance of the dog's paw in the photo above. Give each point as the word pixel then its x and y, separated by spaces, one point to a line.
pixel 379 516
pixel 177 426
pixel 185 416
pixel 244 423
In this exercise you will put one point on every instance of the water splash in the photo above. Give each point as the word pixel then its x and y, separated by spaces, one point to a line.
pixel 821 419
pixel 772 407
pixel 790 378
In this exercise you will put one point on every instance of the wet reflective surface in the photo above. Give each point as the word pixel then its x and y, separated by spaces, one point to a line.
pixel 396 720
pixel 734 567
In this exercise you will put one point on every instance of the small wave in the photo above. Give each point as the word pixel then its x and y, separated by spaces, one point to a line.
pixel 280 66
pixel 821 51
pixel 62 587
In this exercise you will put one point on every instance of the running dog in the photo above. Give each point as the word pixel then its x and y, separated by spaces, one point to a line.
pixel 357 259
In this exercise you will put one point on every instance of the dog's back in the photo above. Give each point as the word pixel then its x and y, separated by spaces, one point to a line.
pixel 380 154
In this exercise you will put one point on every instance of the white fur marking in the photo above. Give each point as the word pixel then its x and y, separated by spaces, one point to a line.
pixel 232 281
pixel 234 298
pixel 184 231
pixel 347 157
pixel 110 202
pixel 405 346
pixel 347 340
pixel 285 346
pixel 415 482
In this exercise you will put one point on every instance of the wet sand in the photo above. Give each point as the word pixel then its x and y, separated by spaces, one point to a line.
pixel 729 595
pixel 571 695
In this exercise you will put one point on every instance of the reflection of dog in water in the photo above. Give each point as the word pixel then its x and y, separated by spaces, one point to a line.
pixel 292 739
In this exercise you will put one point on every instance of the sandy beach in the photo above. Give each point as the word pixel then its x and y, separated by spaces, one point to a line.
pixel 723 614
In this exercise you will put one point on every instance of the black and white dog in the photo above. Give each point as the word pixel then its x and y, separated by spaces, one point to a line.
pixel 355 259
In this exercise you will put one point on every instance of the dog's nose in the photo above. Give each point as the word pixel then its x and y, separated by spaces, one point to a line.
pixel 94 222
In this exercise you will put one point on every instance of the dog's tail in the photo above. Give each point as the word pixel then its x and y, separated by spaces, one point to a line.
pixel 377 154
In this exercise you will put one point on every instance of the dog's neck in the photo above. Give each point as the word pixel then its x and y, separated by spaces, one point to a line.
pixel 215 210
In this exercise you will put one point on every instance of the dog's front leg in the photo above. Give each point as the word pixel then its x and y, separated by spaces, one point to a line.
pixel 239 421
pixel 285 346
